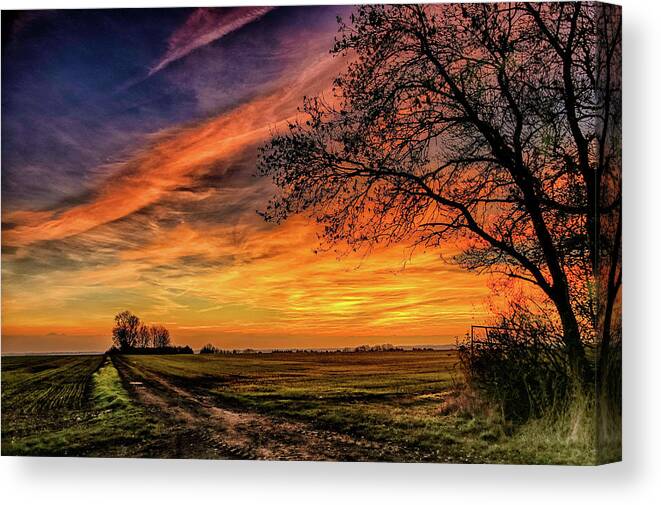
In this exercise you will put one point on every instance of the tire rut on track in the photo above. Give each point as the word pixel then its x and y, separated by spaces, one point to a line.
pixel 197 428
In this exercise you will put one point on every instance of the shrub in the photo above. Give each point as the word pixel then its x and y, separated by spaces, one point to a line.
pixel 523 371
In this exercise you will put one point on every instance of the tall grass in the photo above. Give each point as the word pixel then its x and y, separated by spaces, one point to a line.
pixel 526 378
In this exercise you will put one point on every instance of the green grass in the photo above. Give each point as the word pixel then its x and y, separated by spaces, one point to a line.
pixel 34 384
pixel 99 420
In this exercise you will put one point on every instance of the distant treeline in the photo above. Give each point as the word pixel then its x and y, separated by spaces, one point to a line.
pixel 170 349
pixel 211 349
pixel 132 336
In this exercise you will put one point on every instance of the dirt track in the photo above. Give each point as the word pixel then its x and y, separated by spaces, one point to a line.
pixel 196 428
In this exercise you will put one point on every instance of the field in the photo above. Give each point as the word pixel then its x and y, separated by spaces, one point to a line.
pixel 377 406
pixel 68 406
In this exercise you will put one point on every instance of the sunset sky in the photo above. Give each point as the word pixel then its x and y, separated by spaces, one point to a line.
pixel 129 141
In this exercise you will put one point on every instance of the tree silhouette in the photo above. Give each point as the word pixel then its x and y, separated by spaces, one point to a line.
pixel 495 125
pixel 160 336
pixel 126 330
pixel 144 337
pixel 209 349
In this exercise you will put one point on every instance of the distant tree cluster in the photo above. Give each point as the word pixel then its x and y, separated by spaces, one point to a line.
pixel 209 349
pixel 377 348
pixel 360 348
pixel 212 349
pixel 131 335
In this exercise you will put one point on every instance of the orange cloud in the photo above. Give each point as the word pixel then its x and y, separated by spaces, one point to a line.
pixel 275 292
pixel 171 160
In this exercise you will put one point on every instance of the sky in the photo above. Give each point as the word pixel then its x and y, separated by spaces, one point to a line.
pixel 129 147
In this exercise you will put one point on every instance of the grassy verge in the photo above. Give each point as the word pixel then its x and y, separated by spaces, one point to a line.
pixel 106 423
pixel 426 434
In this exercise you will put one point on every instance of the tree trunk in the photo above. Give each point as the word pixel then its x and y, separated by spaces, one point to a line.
pixel 581 368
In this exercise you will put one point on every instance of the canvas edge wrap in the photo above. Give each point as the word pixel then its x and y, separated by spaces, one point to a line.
pixel 608 256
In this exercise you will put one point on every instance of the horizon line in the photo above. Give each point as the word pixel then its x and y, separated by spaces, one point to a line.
pixel 407 347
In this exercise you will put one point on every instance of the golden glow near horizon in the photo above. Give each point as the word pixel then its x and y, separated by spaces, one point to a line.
pixel 276 293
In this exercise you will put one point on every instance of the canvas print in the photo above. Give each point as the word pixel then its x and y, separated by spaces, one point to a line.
pixel 331 233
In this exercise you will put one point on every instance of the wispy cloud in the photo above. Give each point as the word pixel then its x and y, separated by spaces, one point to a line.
pixel 204 26
pixel 172 160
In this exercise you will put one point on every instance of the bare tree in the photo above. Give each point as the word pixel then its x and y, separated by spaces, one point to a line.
pixel 160 336
pixel 491 124
pixel 144 337
pixel 125 331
